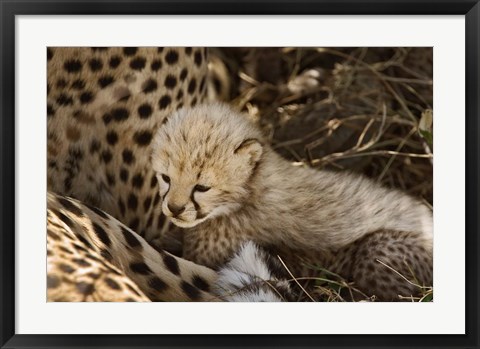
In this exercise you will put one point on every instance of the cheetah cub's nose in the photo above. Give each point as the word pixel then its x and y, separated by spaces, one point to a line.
pixel 176 210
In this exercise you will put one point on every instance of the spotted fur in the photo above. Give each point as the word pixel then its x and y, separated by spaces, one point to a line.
pixel 76 272
pixel 85 244
pixel 104 105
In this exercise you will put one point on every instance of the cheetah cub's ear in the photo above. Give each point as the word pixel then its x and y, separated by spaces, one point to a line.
pixel 251 149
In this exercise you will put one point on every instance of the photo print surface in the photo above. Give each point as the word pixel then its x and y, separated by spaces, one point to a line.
pixel 268 174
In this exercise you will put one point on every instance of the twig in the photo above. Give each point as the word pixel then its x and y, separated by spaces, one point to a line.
pixel 293 277
pixel 400 146
pixel 370 153
pixel 403 277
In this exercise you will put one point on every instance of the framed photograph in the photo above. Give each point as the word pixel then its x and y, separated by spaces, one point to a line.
pixel 229 174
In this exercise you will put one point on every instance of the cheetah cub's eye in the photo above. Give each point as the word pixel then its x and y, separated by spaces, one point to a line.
pixel 165 178
pixel 201 188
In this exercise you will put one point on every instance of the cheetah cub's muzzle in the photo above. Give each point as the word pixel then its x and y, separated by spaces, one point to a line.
pixel 203 162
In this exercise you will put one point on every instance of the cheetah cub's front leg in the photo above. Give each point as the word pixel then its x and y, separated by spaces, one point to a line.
pixel 221 180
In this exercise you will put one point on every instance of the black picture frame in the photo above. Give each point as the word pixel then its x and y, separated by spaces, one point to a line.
pixel 9 9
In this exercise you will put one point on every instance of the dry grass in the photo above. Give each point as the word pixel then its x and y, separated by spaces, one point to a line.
pixel 345 108
pixel 367 110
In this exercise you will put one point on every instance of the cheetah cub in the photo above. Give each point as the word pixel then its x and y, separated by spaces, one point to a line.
pixel 222 181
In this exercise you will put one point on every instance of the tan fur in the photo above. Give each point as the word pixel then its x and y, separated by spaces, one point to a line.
pixel 88 252
pixel 77 275
pixel 256 195
pixel 94 120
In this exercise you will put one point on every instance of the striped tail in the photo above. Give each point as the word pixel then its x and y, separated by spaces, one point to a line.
pixel 253 275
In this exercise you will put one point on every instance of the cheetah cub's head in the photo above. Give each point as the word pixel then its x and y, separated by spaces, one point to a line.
pixel 204 158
